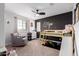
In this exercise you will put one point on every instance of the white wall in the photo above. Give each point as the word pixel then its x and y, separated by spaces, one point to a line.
pixel 33 27
pixel 2 31
pixel 12 26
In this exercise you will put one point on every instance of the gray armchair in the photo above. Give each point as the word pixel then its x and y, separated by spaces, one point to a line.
pixel 18 40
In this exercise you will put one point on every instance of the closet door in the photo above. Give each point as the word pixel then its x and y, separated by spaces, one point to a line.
pixel 76 28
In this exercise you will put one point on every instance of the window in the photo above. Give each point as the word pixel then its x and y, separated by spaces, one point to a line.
pixel 21 24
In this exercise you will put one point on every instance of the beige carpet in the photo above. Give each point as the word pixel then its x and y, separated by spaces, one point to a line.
pixel 34 48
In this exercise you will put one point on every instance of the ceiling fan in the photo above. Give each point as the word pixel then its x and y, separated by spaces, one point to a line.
pixel 39 13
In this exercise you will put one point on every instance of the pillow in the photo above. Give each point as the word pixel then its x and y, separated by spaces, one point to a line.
pixel 15 34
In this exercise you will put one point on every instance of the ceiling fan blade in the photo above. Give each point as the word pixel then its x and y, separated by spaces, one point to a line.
pixel 42 13
pixel 37 12
pixel 34 11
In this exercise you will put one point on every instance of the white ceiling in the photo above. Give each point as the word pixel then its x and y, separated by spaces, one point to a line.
pixel 51 9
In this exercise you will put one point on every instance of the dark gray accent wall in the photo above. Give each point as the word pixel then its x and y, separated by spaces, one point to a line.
pixel 56 22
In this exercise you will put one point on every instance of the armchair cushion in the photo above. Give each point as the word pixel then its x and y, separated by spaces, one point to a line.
pixel 17 40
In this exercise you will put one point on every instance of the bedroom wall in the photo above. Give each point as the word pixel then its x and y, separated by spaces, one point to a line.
pixel 2 30
pixel 11 27
pixel 56 22
pixel 32 25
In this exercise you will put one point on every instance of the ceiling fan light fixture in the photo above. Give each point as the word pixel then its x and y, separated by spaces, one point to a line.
pixel 37 15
